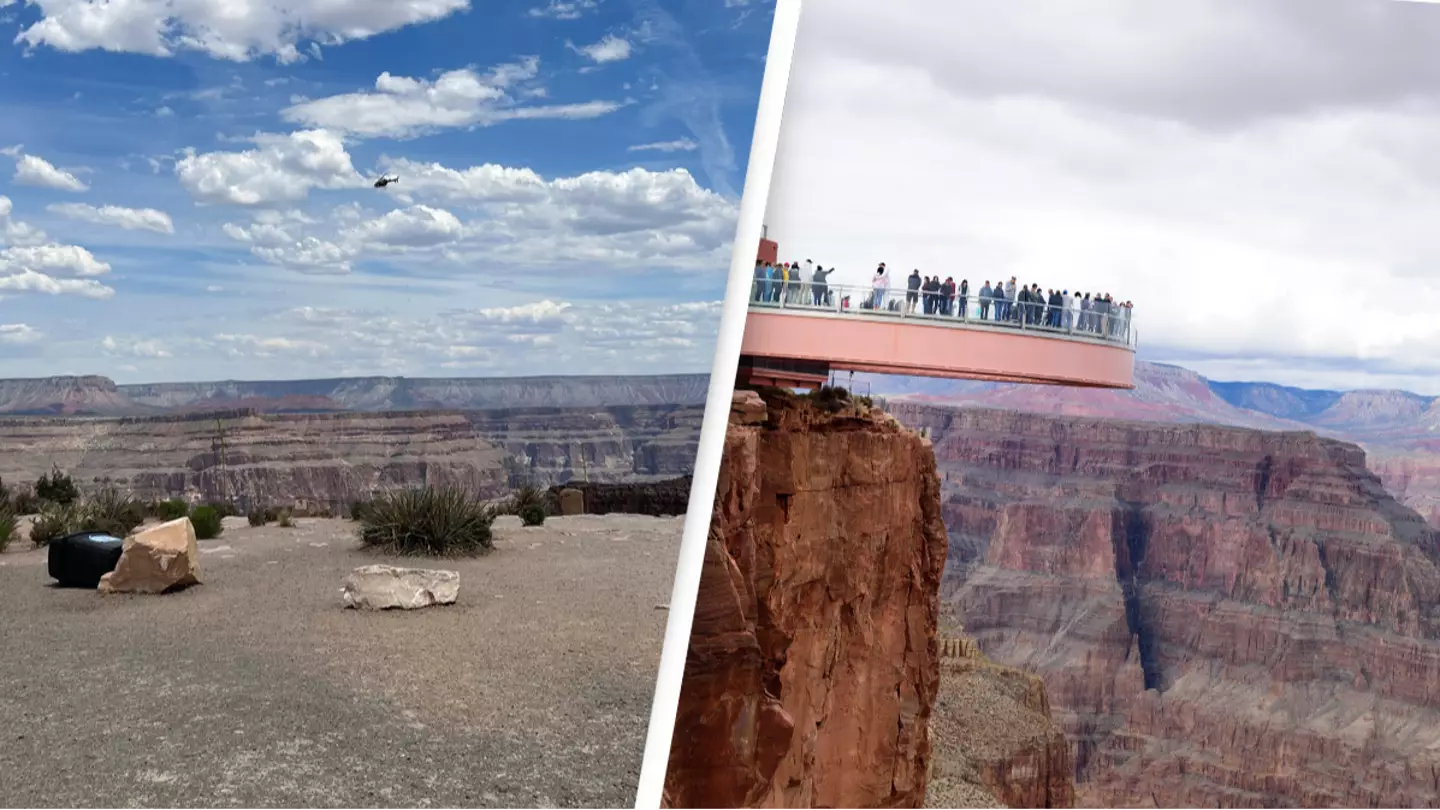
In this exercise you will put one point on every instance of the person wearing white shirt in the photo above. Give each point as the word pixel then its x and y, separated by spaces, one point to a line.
pixel 1067 305
pixel 879 284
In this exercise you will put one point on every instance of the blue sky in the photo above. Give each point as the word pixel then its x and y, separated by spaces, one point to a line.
pixel 191 197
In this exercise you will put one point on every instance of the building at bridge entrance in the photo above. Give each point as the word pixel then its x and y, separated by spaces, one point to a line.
pixel 798 334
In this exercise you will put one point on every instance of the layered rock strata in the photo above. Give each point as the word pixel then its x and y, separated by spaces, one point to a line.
pixel 813 663
pixel 1221 616
pixel 995 742
pixel 326 461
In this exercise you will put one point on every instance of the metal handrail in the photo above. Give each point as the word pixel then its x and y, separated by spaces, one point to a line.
pixel 1115 325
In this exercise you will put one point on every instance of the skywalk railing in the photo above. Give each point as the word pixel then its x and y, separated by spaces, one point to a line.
pixel 1112 323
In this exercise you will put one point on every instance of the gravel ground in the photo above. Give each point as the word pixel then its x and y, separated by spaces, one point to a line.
pixel 258 689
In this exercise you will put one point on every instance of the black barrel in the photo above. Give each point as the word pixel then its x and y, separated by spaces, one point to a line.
pixel 79 560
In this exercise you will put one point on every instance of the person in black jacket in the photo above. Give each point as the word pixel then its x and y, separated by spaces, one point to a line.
pixel 912 292
pixel 819 287
pixel 985 295
pixel 964 299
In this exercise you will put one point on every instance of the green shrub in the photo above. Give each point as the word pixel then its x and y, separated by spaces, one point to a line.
pixel 173 509
pixel 206 521
pixel 272 514
pixel 428 521
pixel 110 512
pixel 527 497
pixel 24 502
pixel 256 517
pixel 8 524
pixel 53 522
pixel 284 519
pixel 357 510
pixel 223 509
pixel 57 487
pixel 532 514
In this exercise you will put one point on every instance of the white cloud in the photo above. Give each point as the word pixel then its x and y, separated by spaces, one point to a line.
pixel 68 259
pixel 131 219
pixel 565 9
pixel 235 30
pixel 19 333
pixel 402 107
pixel 15 233
pixel 33 171
pixel 539 313
pixel 416 226
pixel 23 280
pixel 678 145
pixel 1244 208
pixel 282 168
pixel 610 48
pixel 496 216
pixel 133 347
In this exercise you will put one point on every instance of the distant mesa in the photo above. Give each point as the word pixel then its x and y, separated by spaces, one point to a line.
pixel 94 395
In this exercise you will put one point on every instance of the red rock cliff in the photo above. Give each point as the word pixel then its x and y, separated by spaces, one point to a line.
pixel 1222 616
pixel 813 663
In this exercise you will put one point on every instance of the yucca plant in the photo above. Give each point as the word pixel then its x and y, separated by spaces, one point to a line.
pixel 111 512
pixel 430 521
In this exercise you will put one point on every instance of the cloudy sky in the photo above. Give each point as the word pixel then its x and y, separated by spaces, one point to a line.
pixel 186 188
pixel 1261 177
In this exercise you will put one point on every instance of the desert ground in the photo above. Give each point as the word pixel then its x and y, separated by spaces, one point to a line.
pixel 257 688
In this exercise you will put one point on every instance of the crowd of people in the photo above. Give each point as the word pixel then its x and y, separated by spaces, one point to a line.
pixel 1004 302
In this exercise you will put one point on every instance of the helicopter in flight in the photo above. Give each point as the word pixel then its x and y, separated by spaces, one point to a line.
pixel 387 179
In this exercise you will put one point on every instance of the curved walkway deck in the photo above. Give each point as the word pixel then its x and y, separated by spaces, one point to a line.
pixel 795 342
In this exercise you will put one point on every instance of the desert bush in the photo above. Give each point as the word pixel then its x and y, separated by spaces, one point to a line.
pixel 532 514
pixel 173 509
pixel 24 502
pixel 272 514
pixel 54 521
pixel 223 509
pixel 527 497
pixel 110 512
pixel 56 487
pixel 284 520
pixel 206 521
pixel 428 521
pixel 8 524
pixel 256 517
pixel 357 510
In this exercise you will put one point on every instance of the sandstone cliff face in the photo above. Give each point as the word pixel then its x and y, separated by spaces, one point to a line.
pixel 813 662
pixel 1221 616
pixel 326 461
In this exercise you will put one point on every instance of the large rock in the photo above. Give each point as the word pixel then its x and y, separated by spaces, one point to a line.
pixel 155 560
pixel 381 587
pixel 1221 616
pixel 572 502
pixel 813 664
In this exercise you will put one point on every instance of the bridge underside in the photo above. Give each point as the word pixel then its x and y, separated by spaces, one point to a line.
pixel 793 350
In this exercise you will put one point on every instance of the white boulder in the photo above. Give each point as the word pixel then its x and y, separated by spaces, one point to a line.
pixel 381 587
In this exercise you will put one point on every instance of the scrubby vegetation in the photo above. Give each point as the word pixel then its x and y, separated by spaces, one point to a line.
pixel 532 514
pixel 57 487
pixel 206 520
pixel 55 521
pixel 173 509
pixel 284 520
pixel 429 521
pixel 8 524
pixel 111 512
pixel 357 510
pixel 256 517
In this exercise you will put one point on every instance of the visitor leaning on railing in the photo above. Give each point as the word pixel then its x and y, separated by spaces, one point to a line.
pixel 1007 303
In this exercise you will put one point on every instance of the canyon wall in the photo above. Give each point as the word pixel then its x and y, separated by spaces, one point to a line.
pixel 813 661
pixel 995 741
pixel 326 461
pixel 1221 616
pixel 93 395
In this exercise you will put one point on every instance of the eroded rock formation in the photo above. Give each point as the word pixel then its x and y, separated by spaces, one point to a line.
pixel 1222 616
pixel 995 742
pixel 813 663
pixel 326 461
